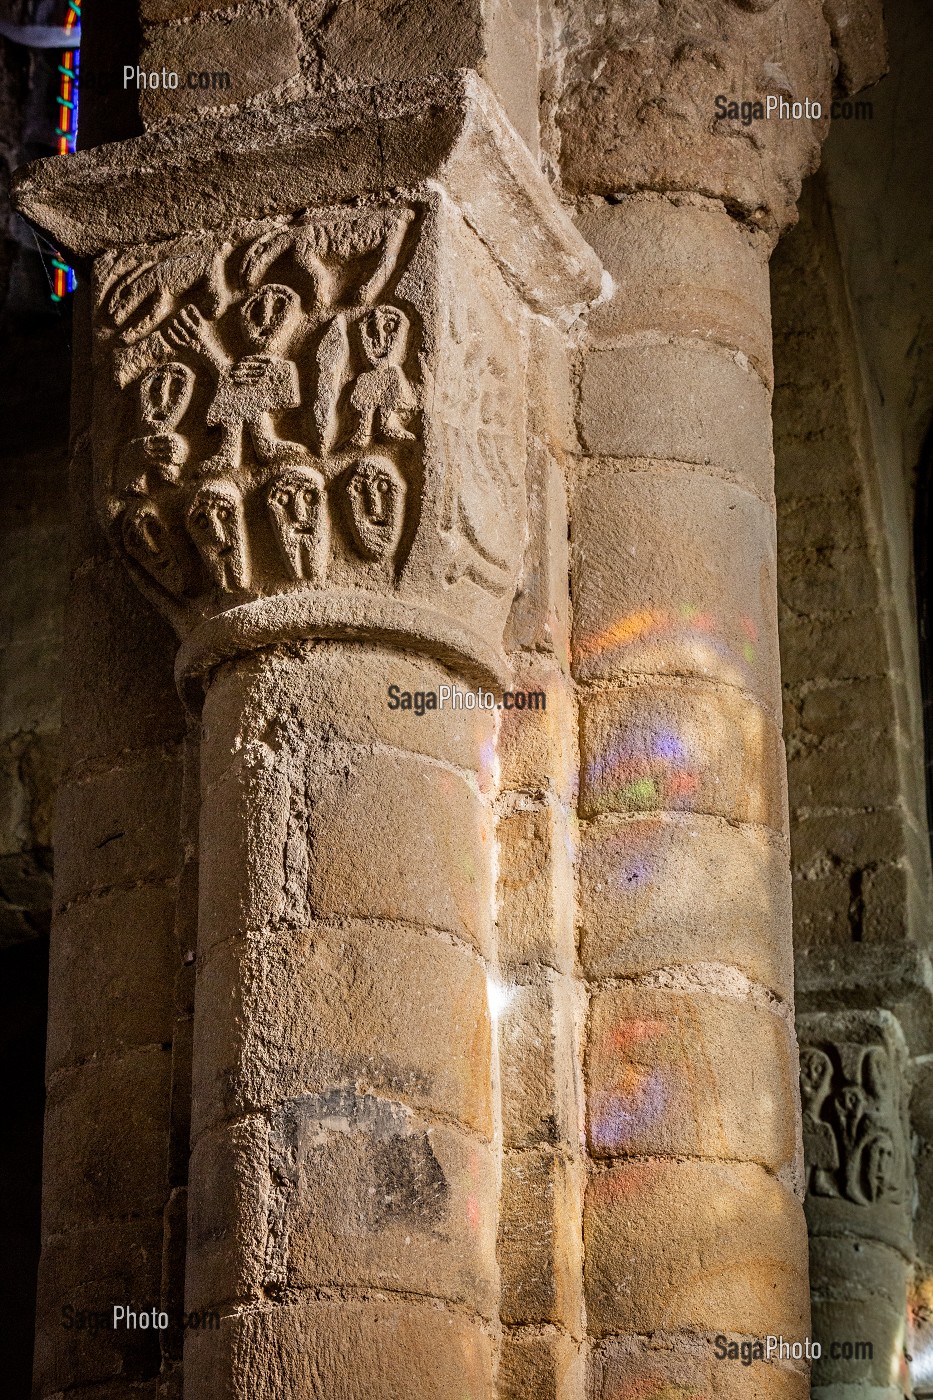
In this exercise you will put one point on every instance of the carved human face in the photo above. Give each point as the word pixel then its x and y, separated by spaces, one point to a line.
pixel 215 520
pixel 269 315
pixel 165 393
pixel 148 541
pixel 297 512
pixel 384 333
pixel 375 497
pixel 815 1073
pixel 880 1166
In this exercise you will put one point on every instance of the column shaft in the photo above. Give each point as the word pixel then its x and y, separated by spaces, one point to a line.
pixel 693 1222
pixel 343 1180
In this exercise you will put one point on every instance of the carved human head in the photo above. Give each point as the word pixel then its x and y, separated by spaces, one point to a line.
pixel 384 334
pixel 815 1074
pixel 269 314
pixel 375 494
pixel 165 393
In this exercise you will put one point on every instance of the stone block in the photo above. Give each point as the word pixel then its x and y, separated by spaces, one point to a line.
pixel 709 613
pixel 869 1341
pixel 292 836
pixel 511 65
pixel 119 656
pixel 849 839
pixel 844 772
pixel 382 1008
pixel 824 911
pixel 851 705
pixel 540 1241
pixel 828 580
pixel 339 694
pixel 546 1364
pixel 535 890
pixel 106 1139
pixel 672 745
pixel 358 1350
pixel 853 1270
pixel 120 950
pixel 539 620
pixel 219 60
pixel 119 827
pixel 551 390
pixel 538 1039
pixel 678 888
pixel 679 402
pixel 839 648
pixel 363 1194
pixel 682 270
pixel 703 1246
pixel 535 746
pixel 630 1367
pixel 230 1203
pixel 678 1074
pixel 83 1273
pixel 830 521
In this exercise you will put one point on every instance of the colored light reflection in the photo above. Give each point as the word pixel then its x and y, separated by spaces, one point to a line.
pixel 63 277
pixel 642 772
pixel 638 1097
pixel 690 625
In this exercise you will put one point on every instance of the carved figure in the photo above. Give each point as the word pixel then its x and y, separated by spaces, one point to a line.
pixel 148 540
pixel 215 522
pixel 251 389
pixel 375 497
pixel 382 396
pixel 165 393
pixel 819 1142
pixel 852 1133
pixel 297 508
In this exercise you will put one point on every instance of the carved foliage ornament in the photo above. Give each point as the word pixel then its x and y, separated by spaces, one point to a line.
pixel 332 403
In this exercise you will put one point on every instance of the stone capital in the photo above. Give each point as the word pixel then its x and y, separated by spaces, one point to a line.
pixel 647 102
pixel 311 335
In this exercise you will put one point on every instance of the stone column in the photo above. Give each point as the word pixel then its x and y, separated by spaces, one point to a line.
pixel 694 1226
pixel 310 450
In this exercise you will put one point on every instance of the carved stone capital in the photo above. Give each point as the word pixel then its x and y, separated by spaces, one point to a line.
pixel 856 1135
pixel 638 107
pixel 309 421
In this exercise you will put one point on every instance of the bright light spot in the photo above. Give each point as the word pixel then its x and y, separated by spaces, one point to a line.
pixel 499 997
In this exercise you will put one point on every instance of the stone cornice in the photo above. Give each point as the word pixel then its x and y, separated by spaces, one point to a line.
pixel 210 174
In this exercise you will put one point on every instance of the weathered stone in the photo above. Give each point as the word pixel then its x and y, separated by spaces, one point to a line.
pixel 538 1037
pixel 119 827
pixel 728 428
pixel 684 746
pixel 368 1350
pixel 664 611
pixel 120 950
pixel 688 1366
pixel 648 119
pixel 732 1257
pixel 540 1247
pixel 544 1363
pixel 219 61
pixel 92 1110
pixel 679 888
pixel 88 1269
pixel 535 893
pixel 382 1008
pixel 686 1074
pixel 681 268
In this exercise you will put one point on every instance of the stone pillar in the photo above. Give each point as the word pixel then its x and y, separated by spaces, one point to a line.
pixel 310 445
pixel 694 1226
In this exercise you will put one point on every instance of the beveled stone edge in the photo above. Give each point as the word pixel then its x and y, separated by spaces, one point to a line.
pixel 210 174
pixel 320 615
